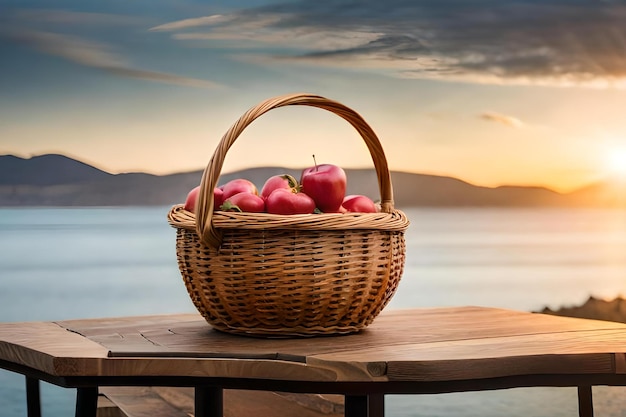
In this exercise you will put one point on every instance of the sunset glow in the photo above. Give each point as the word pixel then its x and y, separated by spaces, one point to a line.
pixel 617 162
pixel 135 86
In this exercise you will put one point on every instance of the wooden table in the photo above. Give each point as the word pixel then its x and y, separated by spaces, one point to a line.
pixel 414 351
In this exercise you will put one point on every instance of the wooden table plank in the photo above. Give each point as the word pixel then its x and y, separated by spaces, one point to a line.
pixel 568 343
pixel 572 352
pixel 114 325
pixel 47 347
pixel 215 368
pixel 620 363
pixel 485 368
pixel 179 402
pixel 143 402
pixel 193 336
pixel 399 344
pixel 418 350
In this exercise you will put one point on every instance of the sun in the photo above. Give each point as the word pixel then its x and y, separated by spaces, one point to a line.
pixel 616 159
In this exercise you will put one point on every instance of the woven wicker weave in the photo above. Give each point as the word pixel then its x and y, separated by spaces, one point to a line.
pixel 302 275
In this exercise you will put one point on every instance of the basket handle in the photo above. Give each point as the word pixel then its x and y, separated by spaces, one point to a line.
pixel 204 210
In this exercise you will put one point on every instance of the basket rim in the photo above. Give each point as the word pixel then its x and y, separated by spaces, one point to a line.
pixel 395 221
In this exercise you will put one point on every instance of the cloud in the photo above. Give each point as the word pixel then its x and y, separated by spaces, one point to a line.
pixel 502 119
pixel 66 17
pixel 97 55
pixel 327 41
pixel 194 22
pixel 482 41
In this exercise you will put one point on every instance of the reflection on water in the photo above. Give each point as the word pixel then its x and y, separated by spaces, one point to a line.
pixel 70 263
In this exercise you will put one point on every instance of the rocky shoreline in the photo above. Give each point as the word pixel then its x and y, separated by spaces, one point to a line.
pixel 594 308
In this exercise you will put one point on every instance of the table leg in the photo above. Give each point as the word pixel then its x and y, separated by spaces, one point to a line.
pixel 33 398
pixel 372 405
pixel 377 405
pixel 585 401
pixel 86 402
pixel 209 402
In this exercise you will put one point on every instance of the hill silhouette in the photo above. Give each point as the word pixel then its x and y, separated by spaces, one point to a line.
pixel 49 169
pixel 57 180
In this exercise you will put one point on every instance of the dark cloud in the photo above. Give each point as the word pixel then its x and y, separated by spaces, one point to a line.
pixel 547 42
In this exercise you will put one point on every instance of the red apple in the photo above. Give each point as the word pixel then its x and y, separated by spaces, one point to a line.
pixel 285 201
pixel 218 198
pixel 192 198
pixel 239 185
pixel 326 185
pixel 278 181
pixel 359 204
pixel 247 202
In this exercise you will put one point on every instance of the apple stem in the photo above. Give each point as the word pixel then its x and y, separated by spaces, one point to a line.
pixel 315 162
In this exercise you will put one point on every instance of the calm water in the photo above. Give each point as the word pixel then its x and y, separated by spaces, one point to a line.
pixel 76 263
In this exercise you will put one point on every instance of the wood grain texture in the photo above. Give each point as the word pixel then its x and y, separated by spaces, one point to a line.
pixel 178 402
pixel 106 408
pixel 143 402
pixel 394 327
pixel 620 363
pixel 413 345
pixel 49 348
pixel 216 368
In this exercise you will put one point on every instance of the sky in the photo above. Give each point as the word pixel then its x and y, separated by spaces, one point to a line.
pixel 494 92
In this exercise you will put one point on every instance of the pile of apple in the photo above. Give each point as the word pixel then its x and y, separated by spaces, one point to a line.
pixel 322 189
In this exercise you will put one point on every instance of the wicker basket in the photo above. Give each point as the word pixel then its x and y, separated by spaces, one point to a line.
pixel 301 275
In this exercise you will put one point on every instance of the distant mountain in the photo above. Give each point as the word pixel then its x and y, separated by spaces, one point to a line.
pixel 56 180
pixel 49 169
pixel 429 190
